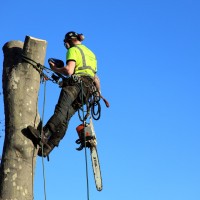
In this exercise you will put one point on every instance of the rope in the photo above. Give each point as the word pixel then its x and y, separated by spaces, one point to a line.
pixel 43 167
pixel 92 104
pixel 41 132
pixel 39 67
pixel 44 100
pixel 86 160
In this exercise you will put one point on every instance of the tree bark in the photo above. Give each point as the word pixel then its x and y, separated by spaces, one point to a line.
pixel 21 83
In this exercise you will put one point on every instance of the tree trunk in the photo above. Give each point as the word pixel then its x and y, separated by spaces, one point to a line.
pixel 21 84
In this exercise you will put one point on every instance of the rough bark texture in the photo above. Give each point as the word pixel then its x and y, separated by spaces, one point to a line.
pixel 20 89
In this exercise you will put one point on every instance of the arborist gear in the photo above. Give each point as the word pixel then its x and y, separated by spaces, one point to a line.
pixel 91 96
pixel 73 35
pixel 70 36
pixel 36 65
pixel 40 68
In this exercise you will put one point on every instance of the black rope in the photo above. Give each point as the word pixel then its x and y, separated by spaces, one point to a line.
pixel 41 132
pixel 96 113
pixel 39 67
pixel 33 62
pixel 93 105
pixel 86 162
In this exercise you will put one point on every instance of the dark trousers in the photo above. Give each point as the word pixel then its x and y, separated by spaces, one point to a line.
pixel 64 110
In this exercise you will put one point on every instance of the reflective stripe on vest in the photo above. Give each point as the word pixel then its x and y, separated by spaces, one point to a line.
pixel 84 63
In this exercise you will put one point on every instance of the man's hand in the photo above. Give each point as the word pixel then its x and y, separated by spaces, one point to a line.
pixel 52 65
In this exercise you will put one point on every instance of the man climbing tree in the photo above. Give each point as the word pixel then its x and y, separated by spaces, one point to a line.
pixel 81 68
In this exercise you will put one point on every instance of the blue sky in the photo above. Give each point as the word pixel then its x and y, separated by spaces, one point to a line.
pixel 148 59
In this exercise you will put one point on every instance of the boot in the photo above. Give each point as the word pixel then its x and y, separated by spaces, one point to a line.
pixel 42 138
pixel 45 149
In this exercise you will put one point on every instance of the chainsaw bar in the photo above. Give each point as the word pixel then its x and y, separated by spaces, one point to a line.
pixel 96 168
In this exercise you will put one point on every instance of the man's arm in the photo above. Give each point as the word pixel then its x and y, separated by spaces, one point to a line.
pixel 66 70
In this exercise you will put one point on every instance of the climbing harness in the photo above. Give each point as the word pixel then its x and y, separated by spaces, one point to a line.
pixel 90 99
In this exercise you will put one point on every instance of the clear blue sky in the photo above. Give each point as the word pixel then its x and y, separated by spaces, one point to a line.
pixel 149 56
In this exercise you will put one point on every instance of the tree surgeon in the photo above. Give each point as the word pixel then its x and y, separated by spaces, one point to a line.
pixel 81 67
